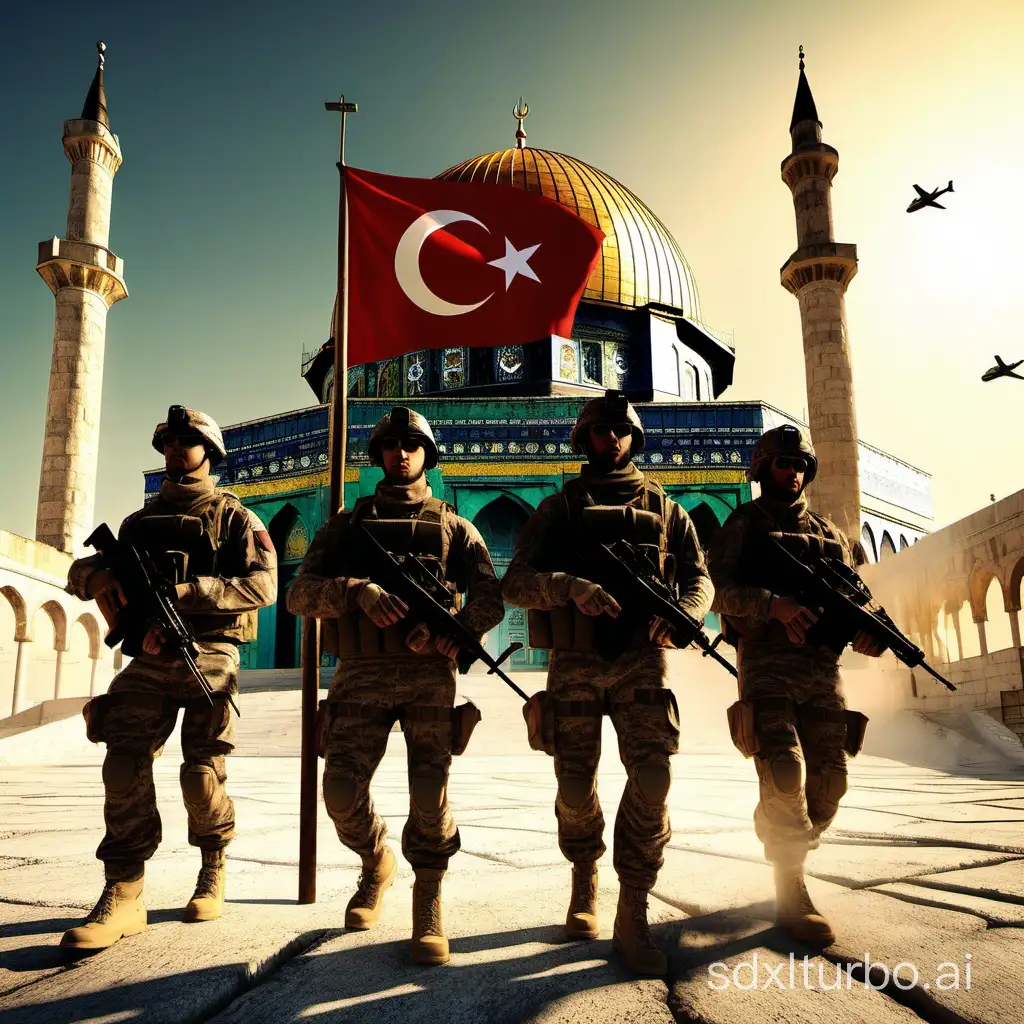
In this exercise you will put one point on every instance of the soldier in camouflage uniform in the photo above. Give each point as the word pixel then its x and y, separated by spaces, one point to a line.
pixel 568 613
pixel 390 668
pixel 222 577
pixel 791 714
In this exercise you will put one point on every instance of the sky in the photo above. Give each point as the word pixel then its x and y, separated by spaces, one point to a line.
pixel 225 208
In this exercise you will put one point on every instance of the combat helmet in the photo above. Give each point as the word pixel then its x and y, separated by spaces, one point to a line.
pixel 610 408
pixel 183 422
pixel 402 422
pixel 784 440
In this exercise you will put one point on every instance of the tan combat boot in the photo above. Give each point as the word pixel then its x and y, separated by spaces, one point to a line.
pixel 581 919
pixel 208 900
pixel 429 942
pixel 119 912
pixel 794 911
pixel 632 935
pixel 365 906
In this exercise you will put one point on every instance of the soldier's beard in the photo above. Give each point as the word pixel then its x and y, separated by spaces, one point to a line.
pixel 772 491
pixel 605 464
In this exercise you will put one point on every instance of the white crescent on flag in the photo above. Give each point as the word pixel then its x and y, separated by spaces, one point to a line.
pixel 407 262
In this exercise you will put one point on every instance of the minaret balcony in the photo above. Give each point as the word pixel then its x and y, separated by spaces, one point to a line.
pixel 826 261
pixel 64 264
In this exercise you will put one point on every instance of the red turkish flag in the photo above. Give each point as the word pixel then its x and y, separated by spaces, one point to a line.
pixel 441 264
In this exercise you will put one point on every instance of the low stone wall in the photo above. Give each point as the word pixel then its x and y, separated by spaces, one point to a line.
pixel 51 644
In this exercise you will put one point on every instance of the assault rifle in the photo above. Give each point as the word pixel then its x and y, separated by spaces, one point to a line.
pixel 626 573
pixel 149 600
pixel 428 600
pixel 837 594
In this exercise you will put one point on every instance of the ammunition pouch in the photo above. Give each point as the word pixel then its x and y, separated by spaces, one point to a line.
pixel 742 727
pixel 605 524
pixel 856 726
pixel 539 714
pixel 743 717
pixel 95 711
pixel 465 718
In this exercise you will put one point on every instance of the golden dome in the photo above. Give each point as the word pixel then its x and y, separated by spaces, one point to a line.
pixel 640 260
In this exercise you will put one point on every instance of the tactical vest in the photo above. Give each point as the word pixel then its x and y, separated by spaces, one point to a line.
pixel 582 522
pixel 822 540
pixel 423 535
pixel 184 554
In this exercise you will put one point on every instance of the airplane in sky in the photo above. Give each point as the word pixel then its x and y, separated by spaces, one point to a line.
pixel 1001 369
pixel 928 198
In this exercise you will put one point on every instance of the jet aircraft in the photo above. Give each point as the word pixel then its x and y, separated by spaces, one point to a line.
pixel 1001 369
pixel 928 198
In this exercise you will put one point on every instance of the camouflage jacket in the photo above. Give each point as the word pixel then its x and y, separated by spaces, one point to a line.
pixel 526 585
pixel 320 591
pixel 733 558
pixel 245 562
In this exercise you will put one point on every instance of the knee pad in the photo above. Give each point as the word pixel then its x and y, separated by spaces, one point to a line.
pixel 785 774
pixel 198 783
pixel 575 790
pixel 427 792
pixel 833 786
pixel 653 781
pixel 339 795
pixel 119 771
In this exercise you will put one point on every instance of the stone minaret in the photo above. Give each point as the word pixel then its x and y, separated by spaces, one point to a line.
pixel 86 279
pixel 817 274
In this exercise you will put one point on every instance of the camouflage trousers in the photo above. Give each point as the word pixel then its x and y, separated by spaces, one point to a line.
pixel 367 695
pixel 801 762
pixel 135 718
pixel 631 690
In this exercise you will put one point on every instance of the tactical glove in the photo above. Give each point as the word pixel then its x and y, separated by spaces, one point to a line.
pixel 383 609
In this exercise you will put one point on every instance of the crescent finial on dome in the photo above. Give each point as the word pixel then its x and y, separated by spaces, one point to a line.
pixel 519 112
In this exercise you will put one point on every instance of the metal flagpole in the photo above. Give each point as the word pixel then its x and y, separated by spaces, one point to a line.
pixel 310 625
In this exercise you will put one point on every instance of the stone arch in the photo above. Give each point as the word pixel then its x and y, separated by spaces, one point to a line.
pixel 1013 591
pixel 18 606
pixel 904 543
pixel 94 633
pixel 59 617
pixel 867 539
pixel 997 621
pixel 705 522
pixel 978 583
pixel 969 634
pixel 886 547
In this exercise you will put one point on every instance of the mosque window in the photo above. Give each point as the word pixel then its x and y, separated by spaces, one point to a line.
pixel 509 363
pixel 453 368
pixel 371 379
pixel 567 367
pixel 415 373
pixel 388 385
pixel 357 382
pixel 616 364
pixel 591 362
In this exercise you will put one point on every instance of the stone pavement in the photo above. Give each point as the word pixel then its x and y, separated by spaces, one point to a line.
pixel 924 867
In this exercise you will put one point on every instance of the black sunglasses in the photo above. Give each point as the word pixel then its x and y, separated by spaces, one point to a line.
pixel 408 444
pixel 168 439
pixel 786 462
pixel 604 429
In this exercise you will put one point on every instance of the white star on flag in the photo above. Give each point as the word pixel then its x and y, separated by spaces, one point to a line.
pixel 516 261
